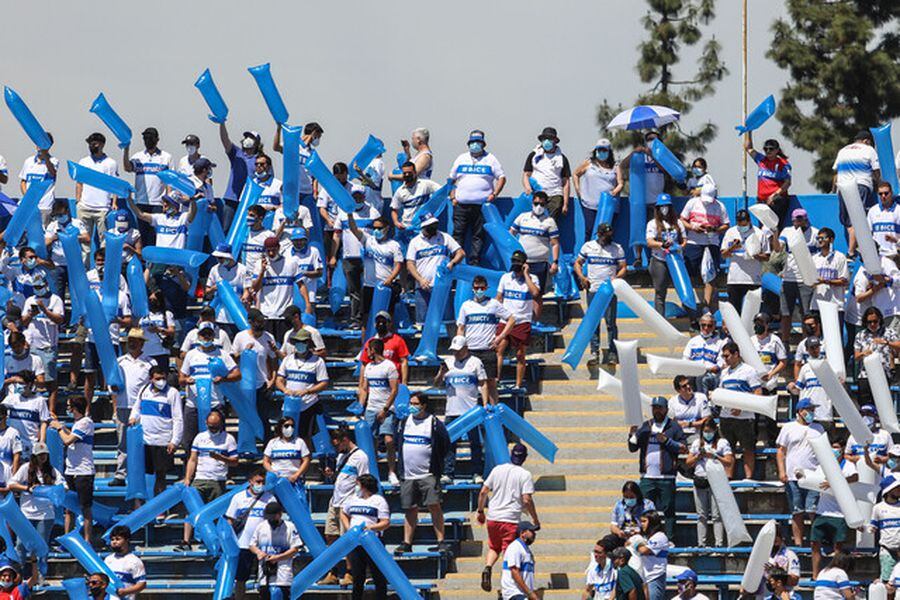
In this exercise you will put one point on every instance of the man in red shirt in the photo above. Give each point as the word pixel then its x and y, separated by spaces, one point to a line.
pixel 395 349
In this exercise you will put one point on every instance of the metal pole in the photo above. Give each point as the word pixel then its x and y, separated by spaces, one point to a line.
pixel 744 101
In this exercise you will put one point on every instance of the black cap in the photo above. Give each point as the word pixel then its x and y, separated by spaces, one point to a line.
pixel 742 215
pixel 191 139
pixel 863 135
pixel 549 133
pixel 203 163
pixel 272 508
pixel 519 256
pixel 96 137
pixel 762 316
pixel 150 131
pixel 604 228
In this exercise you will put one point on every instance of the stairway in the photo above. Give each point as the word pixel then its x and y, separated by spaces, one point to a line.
pixel 575 495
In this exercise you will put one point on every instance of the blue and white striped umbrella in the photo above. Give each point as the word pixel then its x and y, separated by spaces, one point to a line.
pixel 644 117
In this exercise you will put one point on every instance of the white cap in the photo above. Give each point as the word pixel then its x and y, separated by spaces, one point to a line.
pixel 458 343
pixel 603 143
pixel 357 189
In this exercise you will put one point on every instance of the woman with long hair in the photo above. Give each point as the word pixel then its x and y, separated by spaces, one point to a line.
pixel 596 174
pixel 654 552
pixel 773 176
pixel 627 512
pixel 664 232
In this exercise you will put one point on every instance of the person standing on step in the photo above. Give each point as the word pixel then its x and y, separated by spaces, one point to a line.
pixel 549 168
pixel 377 392
pixel 94 203
pixel 653 549
pixel 795 455
pixel 856 164
pixel 808 388
pixel 739 426
pixel 659 440
pixel 79 468
pixel 705 219
pixel 709 447
pixel 884 220
pixel 538 234
pixel 706 348
pixel 519 291
pixel 245 512
pixel 605 260
pixel 794 292
pixel 511 490
pixel 158 410
pixel 829 529
pixel 303 375
pixel 597 174
pixel 263 343
pixel 395 349
pixel 773 355
pixel 425 254
pixel 149 188
pixel 275 543
pixel 465 382
pixel 422 444
pixel 135 367
pixel 665 233
pixel 364 215
pixel 886 523
pixel 747 247
pixel 689 408
pixel 369 509
pixel 517 580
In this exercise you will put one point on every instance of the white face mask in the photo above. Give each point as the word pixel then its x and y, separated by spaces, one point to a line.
pixel 288 431
pixel 664 211
pixel 248 143
pixel 539 210
pixel 191 150
pixel 159 384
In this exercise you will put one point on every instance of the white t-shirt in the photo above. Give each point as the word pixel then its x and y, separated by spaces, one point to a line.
pixel 42 333
pixel 254 250
pixel 885 299
pixel 722 448
pixel 300 374
pixel 508 483
pixel 831 583
pixel 236 275
pixel 10 444
pixel 670 234
pixel 427 253
pixel 381 257
pixel 811 389
pixel 33 507
pixel 833 266
pixel 192 341
pixel 80 453
pixel 92 197
pixel 828 504
pixel 480 320
pixel 886 518
pixel 264 347
pixel 461 384
pixel 594 181
pixel 855 163
pixel 171 231
pixel 286 455
pixel 277 291
pixel 275 542
pixel 136 372
pixel 601 579
pixel 407 200
pixel 518 555
pixel 270 198
pixel 31 362
pixel 417 447
pixel 743 268
pixel 196 365
pixel 318 343
pixel 243 503
pixel 535 233
pixel 602 261
pixel 742 378
pixel 34 169
pixel 25 415
pixel 475 177
pixel 129 568
pixel 209 468
pixel 798 454
pixel 308 261
pixel 366 511
pixel 654 564
pixel 351 465
pixel 379 377
pixel 56 250
pixel 149 188
pixel 154 344
pixel 364 216
pixel 885 222
pixel 517 299
pixel 704 210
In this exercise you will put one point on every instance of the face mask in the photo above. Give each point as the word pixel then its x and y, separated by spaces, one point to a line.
pixel 870 422
pixel 547 145
pixel 709 435
pixel 706 334
pixel 539 210
pixel 602 154
pixel 379 234
pixel 664 211
pixel 630 502
pixel 42 290
pixel 171 210
pixel 809 329
pixel 62 219
pixel 314 143
pixel 287 431
pixel 6 584
pixel 414 410
pixel 698 171
pixel 381 329
pixel 745 228
pixel 159 384
pixel 430 231
pixel 214 428
pixel 121 227
pixel 251 221
pixel 18 388
pixel 517 267
pixel 264 176
pixel 476 147
pixel 257 488
pixel 605 239
pixel 891 463
pixel 30 263
pixel 301 348
pixel 759 329
pixel 248 144
pixel 207 343
pixel 809 417
pixel 409 178
pixel 529 541
pixel 838 453
pixel 479 294
pixel 360 202
pixel 191 150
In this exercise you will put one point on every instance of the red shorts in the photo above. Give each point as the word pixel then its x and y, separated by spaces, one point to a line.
pixel 519 335
pixel 501 535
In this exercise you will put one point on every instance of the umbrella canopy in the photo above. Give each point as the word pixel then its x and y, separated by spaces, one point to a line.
pixel 644 117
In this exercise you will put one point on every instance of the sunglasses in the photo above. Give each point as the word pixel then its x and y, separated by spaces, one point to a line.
pixel 770 148
pixel 684 386
pixel 872 322
pixel 707 325
pixel 884 194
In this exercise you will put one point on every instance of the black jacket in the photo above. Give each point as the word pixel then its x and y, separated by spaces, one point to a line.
pixel 440 445
pixel 668 451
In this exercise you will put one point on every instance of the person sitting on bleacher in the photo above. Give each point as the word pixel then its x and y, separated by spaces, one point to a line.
pixel 135 368
pixel 626 514
pixel 781 560
pixel 287 455
pixel 465 383
pixel 687 586
pixel 521 294
pixel 303 374
pixel 196 366
pixel 808 388
pixel 79 468
pixel 275 543
pixel 689 408
pixel 369 509
pixel 739 426
pixel 263 343
pixel 28 413
pixel 709 446
pixel 422 444
pixel 377 391
pixel 10 446
pixel 424 254
pixel 833 582
pixel 878 448
pixel 659 440
pixel 600 575
pixel 20 358
pixel 395 349
pixel 21 272
pixel 794 456
pixel 706 348
pixel 221 340
pixel 653 548
pixel 829 529
pixel 886 523
pixel 123 562
pixel 158 410
pixel 873 338
pixel 212 453
pixel 776 583
pixel 245 512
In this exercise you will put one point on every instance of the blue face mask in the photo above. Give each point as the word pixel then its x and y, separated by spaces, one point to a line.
pixel 697 171
pixel 476 147
pixel 413 410
pixel 809 417
pixel 257 489
pixel 838 453
pixel 207 343
pixel 17 388
pixel 301 348
pixel 379 234
pixel 479 294
pixel 601 154
pixel 630 502
pixel 30 263
pixel 891 464
pixel 547 145
pixel 709 435
pixel 251 221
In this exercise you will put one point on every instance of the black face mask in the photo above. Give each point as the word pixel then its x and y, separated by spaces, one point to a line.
pixel 605 239
pixel 759 329
pixel 517 267
pixel 381 329
pixel 430 231
pixel 409 178
pixel 809 329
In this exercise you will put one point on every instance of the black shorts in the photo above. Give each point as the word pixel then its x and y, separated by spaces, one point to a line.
pixel 246 566
pixel 489 358
pixel 157 461
pixel 866 194
pixel 83 485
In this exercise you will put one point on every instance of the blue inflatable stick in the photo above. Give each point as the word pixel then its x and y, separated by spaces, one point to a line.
pixel 365 439
pixel 212 511
pixel 57 449
pixel 204 400
pixel 396 183
pixel 36 238
pixel 434 315
pixel 338 289
pixel 758 116
pixel 25 212
pixel 93 309
pixel 668 161
pixel 163 255
pixel 680 278
pixel 101 514
pixel 76 588
pixel 88 559
pixel 637 204
pixel 435 205
pixel 178 182
pixel 263 76
pixel 228 541
pixel 323 562
pixel 885 149
pixel 290 183
pixel 521 204
pixel 589 324
pixel 199 227
pixel 503 240
pixel 205 528
pixel 401 402
pixel 248 384
pixel 215 232
pixel 526 431
pixel 381 301
pixel 26 119
pixel 237 233
pixel 149 510
pixel 229 299
pixel 564 285
pixel 217 108
pixel 606 209
pixel 295 506
pixel 111 119
pixel 135 483
pixel 226 573
pixel 388 566
pixel 56 494
pixel 101 181
pixel 112 271
pixel 771 282
pixel 372 149
pixel 321 440
pixel 134 274
pixel 461 425
pixel 322 173
pixel 495 438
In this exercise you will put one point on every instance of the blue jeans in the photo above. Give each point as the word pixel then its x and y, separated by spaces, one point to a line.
pixel 423 297
pixel 801 500
pixel 590 215
pixel 612 328
pixel 474 437
pixel 656 588
pixel 44 528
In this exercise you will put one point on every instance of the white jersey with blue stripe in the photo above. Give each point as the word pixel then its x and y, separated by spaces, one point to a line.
pixel 480 320
pixel 366 511
pixel 855 163
pixel 129 568
pixel 517 555
pixel 80 453
pixel 516 297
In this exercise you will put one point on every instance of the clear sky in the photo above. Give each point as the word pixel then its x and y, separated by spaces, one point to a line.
pixel 509 67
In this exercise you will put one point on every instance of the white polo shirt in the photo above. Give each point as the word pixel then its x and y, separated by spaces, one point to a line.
pixel 364 216
pixel 25 415
pixel 300 374
pixel 129 568
pixel 475 177
pixel 743 268
pixel 407 200
pixel 516 297
pixel 286 455
pixel 245 503
pixel 270 198
pixel 549 169
pixel 282 539
pixel 35 169
pixel 149 188
pixel 602 261
pixel 535 233
pixel 812 390
pixel 308 261
pixel 92 197
pixel 480 320
pixel 136 372
pixel 208 468
pixel 254 249
pixel 427 253
pixel 351 465
pixel 461 384
pixel 381 257
pixel 196 365
pixel 742 378
pixel 885 222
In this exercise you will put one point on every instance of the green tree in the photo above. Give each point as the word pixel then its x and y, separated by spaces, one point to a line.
pixel 844 64
pixel 673 25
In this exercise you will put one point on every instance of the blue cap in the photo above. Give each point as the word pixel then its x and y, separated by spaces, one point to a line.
pixel 806 404
pixel 122 215
pixel 476 135
pixel 663 200
pixel 223 250
pixel 868 408
pixel 686 575
pixel 299 233
pixel 659 401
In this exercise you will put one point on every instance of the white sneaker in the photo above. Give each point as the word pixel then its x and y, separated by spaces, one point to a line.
pixel 445 480
pixel 478 479
pixel 393 479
